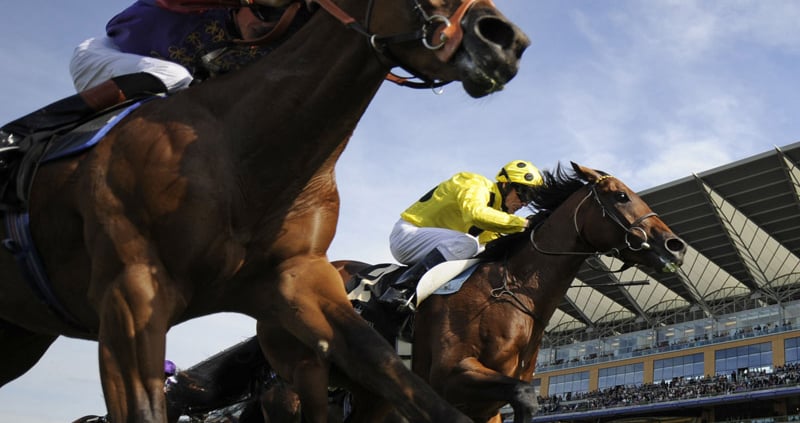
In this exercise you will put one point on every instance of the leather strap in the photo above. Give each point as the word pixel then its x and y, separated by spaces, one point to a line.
pixel 278 30
pixel 102 96
pixel 335 11
pixel 453 34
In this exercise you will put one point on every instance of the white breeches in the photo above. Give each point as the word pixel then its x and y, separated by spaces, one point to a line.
pixel 409 243
pixel 97 60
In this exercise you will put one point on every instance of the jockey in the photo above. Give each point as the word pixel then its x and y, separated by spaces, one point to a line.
pixel 153 46
pixel 456 219
pixel 170 370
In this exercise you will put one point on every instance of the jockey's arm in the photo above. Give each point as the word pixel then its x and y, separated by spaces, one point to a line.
pixel 184 6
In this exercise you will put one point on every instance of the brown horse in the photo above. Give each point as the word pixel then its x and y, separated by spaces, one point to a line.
pixel 223 198
pixel 477 347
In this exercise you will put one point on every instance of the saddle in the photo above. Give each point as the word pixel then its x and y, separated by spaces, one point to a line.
pixel 45 146
pixel 367 286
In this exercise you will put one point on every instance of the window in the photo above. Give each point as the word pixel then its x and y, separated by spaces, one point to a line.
pixel 687 366
pixel 569 383
pixel 733 360
pixel 537 385
pixel 791 349
pixel 628 375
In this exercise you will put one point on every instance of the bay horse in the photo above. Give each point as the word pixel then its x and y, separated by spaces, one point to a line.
pixel 477 347
pixel 222 198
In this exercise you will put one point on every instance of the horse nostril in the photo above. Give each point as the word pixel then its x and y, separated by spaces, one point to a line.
pixel 497 31
pixel 675 245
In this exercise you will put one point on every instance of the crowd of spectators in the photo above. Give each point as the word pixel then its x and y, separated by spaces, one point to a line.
pixel 674 344
pixel 674 390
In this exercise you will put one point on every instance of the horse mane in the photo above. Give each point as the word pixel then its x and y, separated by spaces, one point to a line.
pixel 558 185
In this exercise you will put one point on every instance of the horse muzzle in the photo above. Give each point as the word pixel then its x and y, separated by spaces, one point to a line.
pixel 490 51
pixel 674 249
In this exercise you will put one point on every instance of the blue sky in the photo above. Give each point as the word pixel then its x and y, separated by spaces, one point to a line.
pixel 650 91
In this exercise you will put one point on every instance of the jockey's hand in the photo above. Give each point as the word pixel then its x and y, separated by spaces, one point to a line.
pixel 537 218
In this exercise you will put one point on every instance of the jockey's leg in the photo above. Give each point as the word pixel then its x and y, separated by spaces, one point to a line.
pixel 74 109
pixel 400 295
pixel 82 105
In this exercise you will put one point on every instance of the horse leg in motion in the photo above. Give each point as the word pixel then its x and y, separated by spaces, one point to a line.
pixel 278 403
pixel 334 326
pixel 305 367
pixel 465 379
pixel 473 380
pixel 308 370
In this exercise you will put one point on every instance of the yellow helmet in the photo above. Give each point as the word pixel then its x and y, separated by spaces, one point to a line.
pixel 520 172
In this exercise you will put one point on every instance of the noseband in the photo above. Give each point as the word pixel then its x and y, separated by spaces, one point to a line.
pixel 445 33
pixel 630 229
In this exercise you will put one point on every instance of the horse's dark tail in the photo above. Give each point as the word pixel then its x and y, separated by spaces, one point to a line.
pixel 226 378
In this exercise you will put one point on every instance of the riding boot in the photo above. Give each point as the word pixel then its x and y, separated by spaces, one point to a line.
pixel 400 293
pixel 74 109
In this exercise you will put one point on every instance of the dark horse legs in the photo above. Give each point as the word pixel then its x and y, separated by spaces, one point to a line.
pixel 20 349
pixel 474 381
pixel 317 327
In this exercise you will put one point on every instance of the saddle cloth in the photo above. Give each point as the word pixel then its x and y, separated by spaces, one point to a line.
pixel 47 146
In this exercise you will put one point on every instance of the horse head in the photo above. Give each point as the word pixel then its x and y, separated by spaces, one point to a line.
pixel 613 219
pixel 440 41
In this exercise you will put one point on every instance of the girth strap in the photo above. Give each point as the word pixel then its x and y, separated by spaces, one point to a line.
pixel 20 244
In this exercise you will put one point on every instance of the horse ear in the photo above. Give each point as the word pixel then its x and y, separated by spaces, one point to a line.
pixel 585 173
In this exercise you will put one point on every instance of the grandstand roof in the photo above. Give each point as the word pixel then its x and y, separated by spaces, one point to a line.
pixel 742 224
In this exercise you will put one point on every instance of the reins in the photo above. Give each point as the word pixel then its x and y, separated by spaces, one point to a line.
pixel 630 229
pixel 278 30
pixel 446 32
pixel 497 293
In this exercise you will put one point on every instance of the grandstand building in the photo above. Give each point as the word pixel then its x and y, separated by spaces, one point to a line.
pixel 717 341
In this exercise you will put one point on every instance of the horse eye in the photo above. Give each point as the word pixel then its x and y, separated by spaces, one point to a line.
pixel 621 197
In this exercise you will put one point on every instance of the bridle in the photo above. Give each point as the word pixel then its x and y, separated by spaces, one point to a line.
pixel 445 34
pixel 631 229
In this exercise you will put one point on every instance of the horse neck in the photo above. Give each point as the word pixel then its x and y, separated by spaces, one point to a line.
pixel 547 277
pixel 307 95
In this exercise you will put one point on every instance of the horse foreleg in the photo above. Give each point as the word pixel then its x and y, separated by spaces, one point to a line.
pixel 471 381
pixel 365 405
pixel 134 318
pixel 278 404
pixel 320 315
pixel 21 349
pixel 299 365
